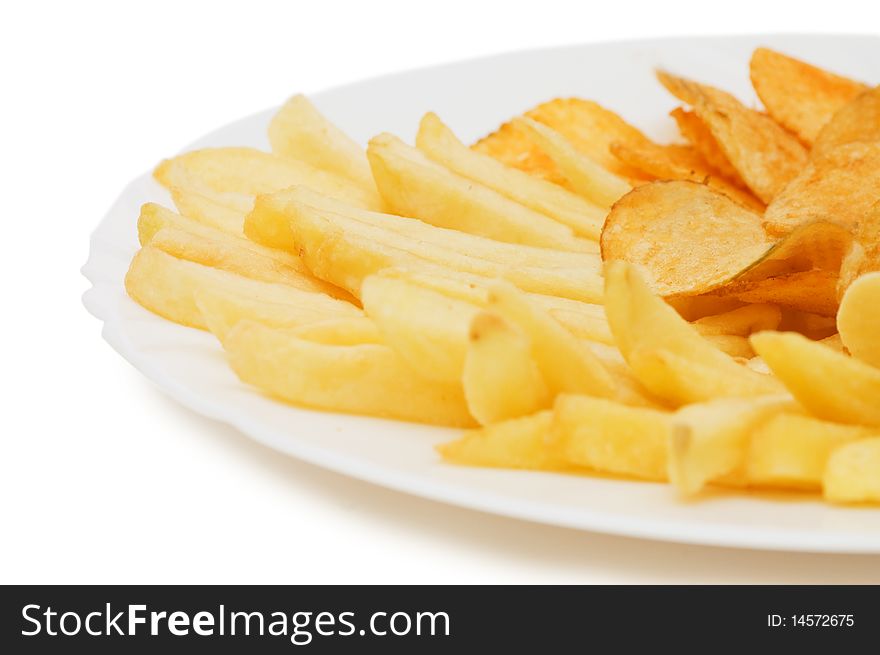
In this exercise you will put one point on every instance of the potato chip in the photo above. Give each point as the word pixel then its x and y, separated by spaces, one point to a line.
pixel 799 96
pixel 864 253
pixel 829 384
pixel 741 321
pixel 857 121
pixel 686 237
pixel 839 185
pixel 764 154
pixel 859 318
pixel 810 291
pixel 675 162
pixel 587 125
pixel 698 135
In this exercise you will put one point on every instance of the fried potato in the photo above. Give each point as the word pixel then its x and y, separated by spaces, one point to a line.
pixel 853 473
pixel 439 143
pixel 299 131
pixel 710 440
pixel 501 379
pixel 565 363
pixel 428 329
pixel 863 255
pixel 675 162
pixel 792 450
pixel 607 436
pixel 799 96
pixel 693 308
pixel 830 385
pixel 813 291
pixel 700 137
pixel 688 238
pixel 741 321
pixel 588 126
pixel 366 379
pixel 224 212
pixel 858 120
pixel 859 319
pixel 517 443
pixel 840 185
pixel 166 285
pixel 764 154
pixel 732 344
pixel 226 306
pixel 666 353
pixel 413 185
pixel 343 251
pixel 252 172
pixel 349 331
pixel 585 176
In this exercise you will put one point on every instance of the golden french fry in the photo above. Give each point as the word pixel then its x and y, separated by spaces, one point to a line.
pixel 428 329
pixel 348 331
pixel 299 131
pixel 588 178
pixel 792 450
pixel 517 443
pixel 853 473
pixel 362 379
pixel 224 212
pixel 439 143
pixel 829 384
pixel 413 185
pixel 567 365
pixel 666 353
pixel 710 440
pixel 801 97
pixel 501 380
pixel 859 318
pixel 166 285
pixel 607 436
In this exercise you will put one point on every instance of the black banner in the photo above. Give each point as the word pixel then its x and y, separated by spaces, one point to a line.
pixel 435 619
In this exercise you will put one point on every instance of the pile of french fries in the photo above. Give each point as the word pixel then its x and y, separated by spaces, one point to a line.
pixel 579 297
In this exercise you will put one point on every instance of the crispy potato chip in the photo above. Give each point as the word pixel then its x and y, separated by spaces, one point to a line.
pixel 299 131
pixel 501 379
pixel 440 144
pixel 857 121
pixel 839 185
pixel 741 321
pixel 710 440
pixel 864 253
pixel 859 318
pixel 675 162
pixel 812 291
pixel 666 353
pixel 799 96
pixel 607 436
pixel 829 384
pixel 792 450
pixel 517 443
pixel 589 127
pixel 853 473
pixel 688 238
pixel 764 154
pixel 698 135
pixel 585 176
pixel 362 379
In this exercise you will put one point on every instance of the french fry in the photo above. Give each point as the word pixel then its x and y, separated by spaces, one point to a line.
pixel 428 329
pixel 413 185
pixel 224 212
pixel 501 380
pixel 439 143
pixel 299 131
pixel 858 318
pixel 792 450
pixel 166 285
pixel 588 178
pixel 366 379
pixel 517 443
pixel 607 436
pixel 566 364
pixel 853 473
pixel 666 353
pixel 829 384
pixel 710 440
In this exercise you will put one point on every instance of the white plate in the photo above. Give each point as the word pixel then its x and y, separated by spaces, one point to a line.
pixel 474 97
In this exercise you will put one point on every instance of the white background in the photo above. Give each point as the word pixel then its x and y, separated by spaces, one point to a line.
pixel 103 479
